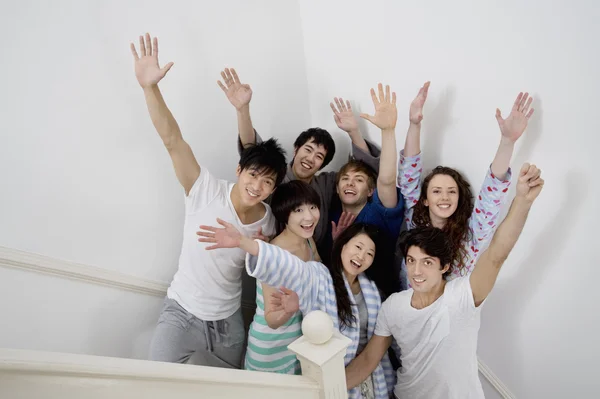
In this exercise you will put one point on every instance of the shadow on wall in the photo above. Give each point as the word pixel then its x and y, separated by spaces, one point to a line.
pixel 515 293
pixel 436 122
pixel 126 335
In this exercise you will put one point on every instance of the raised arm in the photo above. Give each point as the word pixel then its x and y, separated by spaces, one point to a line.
pixel 385 118
pixel 511 128
pixel 488 266
pixel 412 145
pixel 239 95
pixel 269 263
pixel 148 74
pixel 410 166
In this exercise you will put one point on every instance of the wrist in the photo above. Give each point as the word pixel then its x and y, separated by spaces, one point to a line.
pixel 505 142
pixel 415 124
pixel 244 109
pixel 522 202
pixel 389 130
pixel 354 133
pixel 149 88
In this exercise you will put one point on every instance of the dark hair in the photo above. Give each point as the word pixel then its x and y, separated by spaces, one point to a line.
pixel 431 240
pixel 336 268
pixel 266 157
pixel 358 165
pixel 457 225
pixel 319 137
pixel 290 196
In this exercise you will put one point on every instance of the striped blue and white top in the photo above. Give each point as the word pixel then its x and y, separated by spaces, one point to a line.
pixel 314 286
pixel 268 348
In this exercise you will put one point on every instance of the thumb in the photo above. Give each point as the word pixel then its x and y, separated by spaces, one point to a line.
pixel 499 115
pixel 333 226
pixel 222 222
pixel 336 118
pixel 367 117
pixel 524 169
pixel 166 68
pixel 286 291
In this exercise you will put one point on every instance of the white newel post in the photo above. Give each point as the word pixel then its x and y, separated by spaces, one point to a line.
pixel 321 353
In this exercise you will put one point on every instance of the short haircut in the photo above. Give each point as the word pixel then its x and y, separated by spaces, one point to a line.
pixel 290 196
pixel 319 137
pixel 358 166
pixel 267 158
pixel 431 240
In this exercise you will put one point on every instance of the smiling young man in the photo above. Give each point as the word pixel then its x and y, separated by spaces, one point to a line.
pixel 201 312
pixel 436 322
pixel 313 148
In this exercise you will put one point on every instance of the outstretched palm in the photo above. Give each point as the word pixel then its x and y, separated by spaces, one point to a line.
pixel 238 94
pixel 147 70
pixel 226 237
pixel 513 127
pixel 343 115
pixel 386 112
pixel 416 107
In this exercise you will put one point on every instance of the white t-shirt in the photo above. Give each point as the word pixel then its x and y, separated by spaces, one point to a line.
pixel 438 343
pixel 208 284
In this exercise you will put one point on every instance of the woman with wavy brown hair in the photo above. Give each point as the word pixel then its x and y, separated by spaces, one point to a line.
pixel 443 199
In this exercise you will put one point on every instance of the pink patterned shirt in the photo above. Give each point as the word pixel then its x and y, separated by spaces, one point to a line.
pixel 483 220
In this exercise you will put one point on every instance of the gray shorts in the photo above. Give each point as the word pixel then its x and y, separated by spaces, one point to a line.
pixel 179 335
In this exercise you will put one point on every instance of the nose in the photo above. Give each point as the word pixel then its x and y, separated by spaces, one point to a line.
pixel 417 269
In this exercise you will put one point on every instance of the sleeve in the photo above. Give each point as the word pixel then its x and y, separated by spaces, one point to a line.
pixel 239 142
pixel 409 181
pixel 205 189
pixel 279 268
pixel 461 295
pixel 484 219
pixel 382 327
pixel 371 158
pixel 392 217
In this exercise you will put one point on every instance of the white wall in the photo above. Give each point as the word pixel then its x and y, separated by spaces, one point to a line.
pixel 540 326
pixel 84 175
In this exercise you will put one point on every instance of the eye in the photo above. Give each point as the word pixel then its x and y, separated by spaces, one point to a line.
pixel 313 207
pixel 308 149
pixel 253 174
pixel 371 254
pixel 359 247
pixel 344 178
pixel 428 263
pixel 360 180
pixel 410 260
pixel 320 157
pixel 436 191
pixel 298 210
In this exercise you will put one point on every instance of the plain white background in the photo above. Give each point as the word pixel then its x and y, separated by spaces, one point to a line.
pixel 85 178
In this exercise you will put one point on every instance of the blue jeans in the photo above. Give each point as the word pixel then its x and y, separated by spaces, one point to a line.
pixel 179 335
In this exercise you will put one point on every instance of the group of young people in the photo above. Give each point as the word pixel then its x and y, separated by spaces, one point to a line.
pixel 329 240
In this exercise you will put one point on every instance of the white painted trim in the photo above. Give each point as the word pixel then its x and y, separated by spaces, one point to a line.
pixel 494 380
pixel 75 271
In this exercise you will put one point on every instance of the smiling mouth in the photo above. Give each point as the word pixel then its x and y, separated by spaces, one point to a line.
pixel 418 280
pixel 444 206
pixel 349 192
pixel 355 264
pixel 306 165
pixel 308 227
pixel 250 193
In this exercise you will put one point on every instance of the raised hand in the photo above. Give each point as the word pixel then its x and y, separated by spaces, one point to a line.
pixel 513 127
pixel 285 301
pixel 147 70
pixel 238 94
pixel 386 113
pixel 346 220
pixel 226 237
pixel 530 182
pixel 416 107
pixel 343 115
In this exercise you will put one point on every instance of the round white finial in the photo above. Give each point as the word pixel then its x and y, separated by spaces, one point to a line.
pixel 317 326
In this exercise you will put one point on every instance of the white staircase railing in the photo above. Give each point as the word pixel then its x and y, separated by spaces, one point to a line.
pixel 28 374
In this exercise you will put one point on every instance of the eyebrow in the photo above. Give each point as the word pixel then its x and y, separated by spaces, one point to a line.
pixel 443 187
